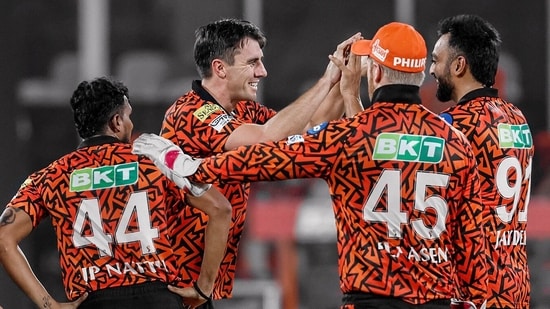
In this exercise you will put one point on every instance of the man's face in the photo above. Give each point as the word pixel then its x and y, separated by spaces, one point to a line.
pixel 440 69
pixel 245 73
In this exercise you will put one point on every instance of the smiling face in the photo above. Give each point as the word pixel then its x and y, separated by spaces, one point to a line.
pixel 442 59
pixel 246 71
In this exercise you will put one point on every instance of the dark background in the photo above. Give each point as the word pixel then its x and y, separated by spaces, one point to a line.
pixel 300 36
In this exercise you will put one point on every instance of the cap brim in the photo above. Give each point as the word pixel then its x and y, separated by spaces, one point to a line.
pixel 361 47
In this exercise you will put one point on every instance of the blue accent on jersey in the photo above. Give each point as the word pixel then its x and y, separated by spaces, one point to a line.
pixel 447 117
pixel 316 129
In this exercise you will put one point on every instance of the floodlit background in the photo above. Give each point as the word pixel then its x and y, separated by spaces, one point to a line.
pixel 288 255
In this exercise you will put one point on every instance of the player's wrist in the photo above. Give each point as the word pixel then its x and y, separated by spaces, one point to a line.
pixel 201 293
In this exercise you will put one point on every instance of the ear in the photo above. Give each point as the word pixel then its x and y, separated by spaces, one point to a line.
pixel 115 123
pixel 376 72
pixel 459 66
pixel 218 68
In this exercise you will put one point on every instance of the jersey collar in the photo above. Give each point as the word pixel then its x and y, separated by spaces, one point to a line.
pixel 98 140
pixel 205 95
pixel 480 92
pixel 397 93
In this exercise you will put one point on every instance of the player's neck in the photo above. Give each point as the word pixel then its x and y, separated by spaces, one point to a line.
pixel 219 93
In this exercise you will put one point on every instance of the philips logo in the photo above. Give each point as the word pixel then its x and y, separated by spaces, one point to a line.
pixel 408 147
pixel 104 177
pixel 514 136
pixel 409 62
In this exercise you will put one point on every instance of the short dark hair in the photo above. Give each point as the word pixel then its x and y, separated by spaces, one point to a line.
pixel 478 41
pixel 95 102
pixel 220 39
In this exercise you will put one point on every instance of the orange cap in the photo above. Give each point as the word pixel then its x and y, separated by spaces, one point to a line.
pixel 397 46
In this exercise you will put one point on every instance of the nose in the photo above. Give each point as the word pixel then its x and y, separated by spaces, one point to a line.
pixel 260 71
pixel 432 70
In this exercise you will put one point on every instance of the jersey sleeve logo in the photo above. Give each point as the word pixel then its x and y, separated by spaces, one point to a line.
pixel 220 121
pixel 514 136
pixel 103 177
pixel 409 147
pixel 206 110
pixel 293 139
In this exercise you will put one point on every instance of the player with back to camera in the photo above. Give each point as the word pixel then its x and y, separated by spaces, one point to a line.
pixel 109 209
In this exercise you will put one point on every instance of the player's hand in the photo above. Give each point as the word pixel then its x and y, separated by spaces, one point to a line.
pixel 191 297
pixel 75 303
pixel 349 64
pixel 171 161
pixel 342 53
pixel 463 304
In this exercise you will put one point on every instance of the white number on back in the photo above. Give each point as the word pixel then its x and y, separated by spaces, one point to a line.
pixel 509 191
pixel 390 181
pixel 89 212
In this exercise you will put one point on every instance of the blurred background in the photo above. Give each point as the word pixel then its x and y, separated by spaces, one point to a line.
pixel 288 256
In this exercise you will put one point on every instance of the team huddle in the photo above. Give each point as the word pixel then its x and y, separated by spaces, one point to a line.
pixel 430 208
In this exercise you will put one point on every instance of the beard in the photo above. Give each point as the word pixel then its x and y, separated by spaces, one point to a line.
pixel 444 90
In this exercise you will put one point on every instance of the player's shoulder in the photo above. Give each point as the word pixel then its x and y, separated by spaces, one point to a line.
pixel 188 101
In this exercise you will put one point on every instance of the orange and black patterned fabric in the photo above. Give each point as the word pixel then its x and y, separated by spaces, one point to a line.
pixel 109 210
pixel 201 127
pixel 503 145
pixel 405 194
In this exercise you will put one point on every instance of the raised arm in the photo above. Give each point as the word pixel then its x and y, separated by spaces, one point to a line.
pixel 338 102
pixel 350 84
pixel 322 102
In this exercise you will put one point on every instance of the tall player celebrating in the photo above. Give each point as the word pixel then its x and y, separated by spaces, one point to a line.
pixel 465 62
pixel 403 183
pixel 221 113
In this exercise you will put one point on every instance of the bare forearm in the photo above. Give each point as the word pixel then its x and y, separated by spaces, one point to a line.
pixel 15 225
pixel 331 108
pixel 295 117
pixel 216 235
pixel 17 267
pixel 352 105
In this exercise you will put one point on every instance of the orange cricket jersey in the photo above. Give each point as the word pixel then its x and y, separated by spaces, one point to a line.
pixel 110 212
pixel 405 194
pixel 201 127
pixel 503 146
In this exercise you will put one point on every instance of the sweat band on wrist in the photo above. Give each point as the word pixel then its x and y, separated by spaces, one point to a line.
pixel 201 293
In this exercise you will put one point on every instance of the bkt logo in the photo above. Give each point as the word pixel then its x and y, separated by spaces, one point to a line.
pixel 408 147
pixel 514 136
pixel 104 177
